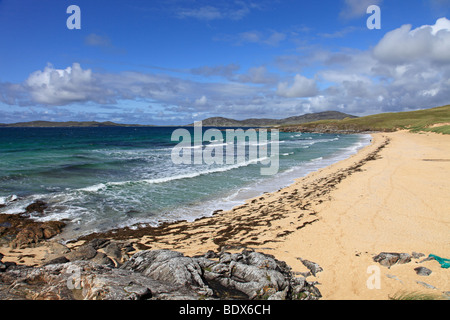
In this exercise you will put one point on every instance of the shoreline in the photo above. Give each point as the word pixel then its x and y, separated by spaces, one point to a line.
pixel 280 182
pixel 303 220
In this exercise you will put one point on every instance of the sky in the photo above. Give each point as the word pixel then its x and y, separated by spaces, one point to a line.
pixel 172 62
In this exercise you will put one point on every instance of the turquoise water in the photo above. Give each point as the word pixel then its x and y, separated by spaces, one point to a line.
pixel 97 179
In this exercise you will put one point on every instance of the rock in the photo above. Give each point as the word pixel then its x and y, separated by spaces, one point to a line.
pixel 422 271
pixel 99 243
pixel 83 280
pixel 170 267
pixel 2 266
pixel 417 255
pixel 426 285
pixel 37 206
pixel 312 266
pixel 112 250
pixel 101 258
pixel 158 274
pixel 84 252
pixel 390 276
pixel 256 276
pixel 388 259
pixel 57 260
pixel 34 232
pixel 210 255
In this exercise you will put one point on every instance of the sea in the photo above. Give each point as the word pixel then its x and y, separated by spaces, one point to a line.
pixel 99 179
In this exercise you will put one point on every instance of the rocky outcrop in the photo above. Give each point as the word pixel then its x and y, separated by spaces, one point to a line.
pixel 388 259
pixel 19 231
pixel 158 274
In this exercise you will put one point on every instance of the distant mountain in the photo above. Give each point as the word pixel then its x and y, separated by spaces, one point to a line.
pixel 310 117
pixel 210 122
pixel 78 124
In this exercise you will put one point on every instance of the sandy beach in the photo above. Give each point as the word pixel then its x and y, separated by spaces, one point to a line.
pixel 392 196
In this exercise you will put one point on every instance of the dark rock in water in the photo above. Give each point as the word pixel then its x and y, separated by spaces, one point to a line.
pixel 37 206
pixel 388 259
pixel 159 274
pixel 422 271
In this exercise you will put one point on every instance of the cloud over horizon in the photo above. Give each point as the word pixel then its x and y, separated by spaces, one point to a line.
pixel 407 69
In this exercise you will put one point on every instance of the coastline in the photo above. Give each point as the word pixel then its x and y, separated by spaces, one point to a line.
pixel 339 217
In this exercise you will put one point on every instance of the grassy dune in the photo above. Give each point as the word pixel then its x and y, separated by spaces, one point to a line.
pixel 434 120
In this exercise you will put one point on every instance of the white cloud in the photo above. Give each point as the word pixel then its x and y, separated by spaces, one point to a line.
pixel 404 45
pixel 201 101
pixel 63 86
pixel 302 87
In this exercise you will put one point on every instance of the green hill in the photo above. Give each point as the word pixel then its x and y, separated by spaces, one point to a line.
pixel 433 120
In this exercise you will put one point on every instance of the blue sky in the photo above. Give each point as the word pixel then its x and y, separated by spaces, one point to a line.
pixel 176 61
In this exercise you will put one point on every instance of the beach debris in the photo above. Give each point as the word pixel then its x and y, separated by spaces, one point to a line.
pixel 422 271
pixel 159 274
pixel 388 259
pixel 445 263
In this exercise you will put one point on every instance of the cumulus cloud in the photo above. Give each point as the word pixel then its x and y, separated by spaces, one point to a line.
pixel 302 87
pixel 64 86
pixel 403 45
